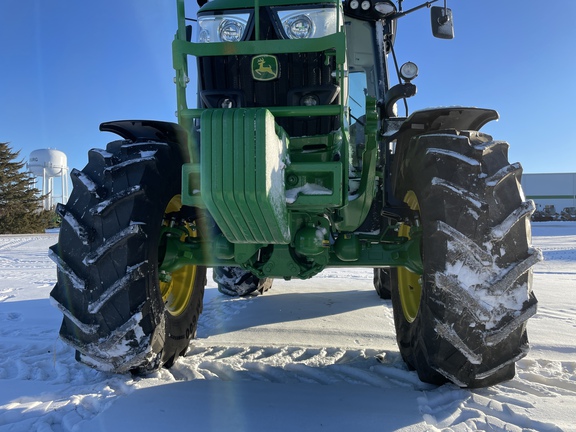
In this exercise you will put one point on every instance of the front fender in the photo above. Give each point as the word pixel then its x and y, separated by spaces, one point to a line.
pixel 436 119
pixel 151 130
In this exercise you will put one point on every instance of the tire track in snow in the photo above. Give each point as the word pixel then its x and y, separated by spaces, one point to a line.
pixel 13 242
pixel 5 295
pixel 53 391
pixel 19 256
pixel 504 407
pixel 63 410
pixel 290 364
pixel 16 261
pixel 557 248
pixel 545 377
pixel 43 387
pixel 287 364
pixel 565 315
pixel 452 409
pixel 448 408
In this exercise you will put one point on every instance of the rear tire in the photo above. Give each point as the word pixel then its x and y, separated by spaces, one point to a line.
pixel 464 319
pixel 237 282
pixel 117 314
pixel 382 282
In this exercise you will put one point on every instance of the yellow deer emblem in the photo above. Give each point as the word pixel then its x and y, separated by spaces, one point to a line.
pixel 264 67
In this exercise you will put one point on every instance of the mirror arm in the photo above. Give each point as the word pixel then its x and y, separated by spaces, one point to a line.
pixel 414 9
pixel 444 19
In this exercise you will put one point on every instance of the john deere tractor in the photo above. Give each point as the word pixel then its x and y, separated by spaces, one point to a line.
pixel 296 153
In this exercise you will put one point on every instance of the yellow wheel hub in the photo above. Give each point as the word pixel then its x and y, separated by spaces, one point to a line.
pixel 409 284
pixel 176 293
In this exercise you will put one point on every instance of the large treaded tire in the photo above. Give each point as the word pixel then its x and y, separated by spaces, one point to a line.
pixel 107 256
pixel 381 282
pixel 237 282
pixel 476 296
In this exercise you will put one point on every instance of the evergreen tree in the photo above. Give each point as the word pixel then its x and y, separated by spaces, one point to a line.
pixel 21 209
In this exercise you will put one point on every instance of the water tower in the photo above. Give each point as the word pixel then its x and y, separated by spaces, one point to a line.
pixel 49 164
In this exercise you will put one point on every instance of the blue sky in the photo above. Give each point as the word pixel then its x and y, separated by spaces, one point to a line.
pixel 68 65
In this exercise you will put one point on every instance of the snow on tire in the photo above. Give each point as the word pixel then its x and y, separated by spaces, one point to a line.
pixel 116 312
pixel 469 324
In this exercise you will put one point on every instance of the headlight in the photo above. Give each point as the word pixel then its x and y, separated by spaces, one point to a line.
pixel 298 27
pixel 222 28
pixel 308 23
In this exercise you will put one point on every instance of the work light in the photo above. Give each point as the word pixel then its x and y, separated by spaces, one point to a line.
pixel 409 71
pixel 385 8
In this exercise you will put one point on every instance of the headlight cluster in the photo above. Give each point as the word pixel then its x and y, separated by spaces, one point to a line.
pixel 222 28
pixel 291 24
pixel 308 23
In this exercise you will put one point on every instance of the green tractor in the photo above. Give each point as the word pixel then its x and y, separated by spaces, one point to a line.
pixel 294 159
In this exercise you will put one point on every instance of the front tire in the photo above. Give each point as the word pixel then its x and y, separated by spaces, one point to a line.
pixel 118 315
pixel 464 319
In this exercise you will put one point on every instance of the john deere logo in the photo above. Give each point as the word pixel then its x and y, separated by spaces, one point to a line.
pixel 264 67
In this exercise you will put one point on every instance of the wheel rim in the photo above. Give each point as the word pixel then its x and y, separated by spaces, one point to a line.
pixel 409 283
pixel 177 291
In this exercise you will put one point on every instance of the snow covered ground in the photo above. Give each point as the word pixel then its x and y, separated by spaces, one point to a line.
pixel 307 356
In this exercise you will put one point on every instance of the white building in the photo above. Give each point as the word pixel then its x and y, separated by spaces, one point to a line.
pixel 558 190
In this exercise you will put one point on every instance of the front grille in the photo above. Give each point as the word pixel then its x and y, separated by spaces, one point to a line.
pixel 227 81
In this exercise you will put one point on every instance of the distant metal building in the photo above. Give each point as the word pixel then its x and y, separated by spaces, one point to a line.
pixel 558 190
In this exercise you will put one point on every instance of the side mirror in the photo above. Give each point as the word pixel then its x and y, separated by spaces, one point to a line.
pixel 442 24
